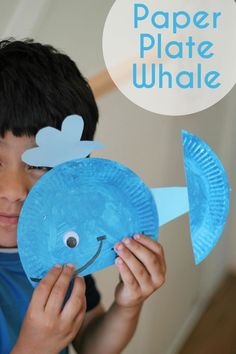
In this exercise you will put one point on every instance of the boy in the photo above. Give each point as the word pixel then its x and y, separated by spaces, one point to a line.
pixel 39 87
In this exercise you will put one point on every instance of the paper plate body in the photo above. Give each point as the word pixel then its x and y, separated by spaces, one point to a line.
pixel 208 193
pixel 94 202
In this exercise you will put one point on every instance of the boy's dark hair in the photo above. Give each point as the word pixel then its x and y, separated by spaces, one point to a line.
pixel 40 86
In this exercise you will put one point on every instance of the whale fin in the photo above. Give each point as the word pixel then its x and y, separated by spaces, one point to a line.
pixel 171 202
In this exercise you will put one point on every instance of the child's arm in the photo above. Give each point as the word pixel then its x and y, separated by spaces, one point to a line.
pixel 142 268
pixel 108 332
pixel 46 329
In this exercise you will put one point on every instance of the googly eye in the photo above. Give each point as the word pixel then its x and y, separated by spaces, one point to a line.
pixel 71 239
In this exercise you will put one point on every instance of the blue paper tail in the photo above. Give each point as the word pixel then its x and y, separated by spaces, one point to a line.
pixel 209 195
pixel 171 203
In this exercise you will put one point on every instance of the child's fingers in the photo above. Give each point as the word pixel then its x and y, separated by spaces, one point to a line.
pixel 152 262
pixel 136 267
pixel 153 245
pixel 42 292
pixel 77 323
pixel 58 293
pixel 77 301
pixel 126 275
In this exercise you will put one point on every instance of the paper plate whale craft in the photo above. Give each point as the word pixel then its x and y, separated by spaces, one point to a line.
pixel 77 211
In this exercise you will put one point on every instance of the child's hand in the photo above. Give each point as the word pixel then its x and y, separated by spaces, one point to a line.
pixel 46 329
pixel 142 268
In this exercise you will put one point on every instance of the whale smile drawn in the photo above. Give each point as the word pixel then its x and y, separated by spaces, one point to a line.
pixel 100 239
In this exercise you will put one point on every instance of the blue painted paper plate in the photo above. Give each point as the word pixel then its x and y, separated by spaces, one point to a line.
pixel 208 194
pixel 77 211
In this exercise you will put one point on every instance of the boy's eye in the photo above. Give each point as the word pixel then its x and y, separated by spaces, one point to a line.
pixel 39 168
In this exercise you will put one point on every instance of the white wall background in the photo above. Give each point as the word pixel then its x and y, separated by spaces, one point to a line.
pixel 150 145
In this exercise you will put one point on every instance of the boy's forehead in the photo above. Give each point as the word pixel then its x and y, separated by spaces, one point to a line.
pixel 10 140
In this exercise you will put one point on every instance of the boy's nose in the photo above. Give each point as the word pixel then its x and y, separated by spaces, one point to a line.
pixel 14 188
